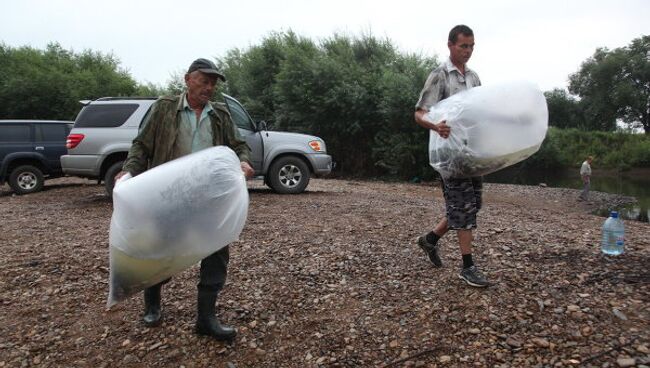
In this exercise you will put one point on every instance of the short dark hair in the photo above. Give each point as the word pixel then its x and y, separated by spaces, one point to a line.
pixel 461 28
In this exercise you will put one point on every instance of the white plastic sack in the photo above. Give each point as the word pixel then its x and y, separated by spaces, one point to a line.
pixel 492 127
pixel 172 216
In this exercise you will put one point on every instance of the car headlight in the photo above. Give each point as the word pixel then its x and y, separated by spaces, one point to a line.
pixel 317 145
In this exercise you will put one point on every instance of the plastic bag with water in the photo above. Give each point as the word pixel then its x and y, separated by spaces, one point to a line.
pixel 492 127
pixel 172 216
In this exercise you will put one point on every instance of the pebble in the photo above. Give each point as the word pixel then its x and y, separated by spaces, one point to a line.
pixel 513 342
pixel 619 314
pixel 129 359
pixel 626 362
pixel 388 300
pixel 573 308
pixel 541 342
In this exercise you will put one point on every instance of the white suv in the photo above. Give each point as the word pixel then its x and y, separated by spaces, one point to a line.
pixel 105 128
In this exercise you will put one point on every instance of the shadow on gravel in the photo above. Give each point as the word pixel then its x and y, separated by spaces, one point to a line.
pixel 270 191
pixel 62 185
pixel 628 269
pixel 96 200
pixel 260 190
pixel 7 192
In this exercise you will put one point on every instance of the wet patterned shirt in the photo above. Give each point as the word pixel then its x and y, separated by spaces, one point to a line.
pixel 444 81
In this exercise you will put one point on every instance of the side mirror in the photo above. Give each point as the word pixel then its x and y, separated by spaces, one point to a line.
pixel 262 125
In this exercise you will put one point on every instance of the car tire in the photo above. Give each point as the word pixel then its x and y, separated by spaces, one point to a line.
pixel 109 177
pixel 288 175
pixel 26 179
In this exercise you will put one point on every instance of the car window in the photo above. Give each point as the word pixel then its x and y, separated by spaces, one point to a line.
pixel 14 133
pixel 104 116
pixel 51 133
pixel 239 115
pixel 144 118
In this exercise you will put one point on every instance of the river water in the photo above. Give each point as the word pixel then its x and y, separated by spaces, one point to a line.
pixel 635 183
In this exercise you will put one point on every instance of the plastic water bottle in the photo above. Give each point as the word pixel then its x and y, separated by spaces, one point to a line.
pixel 613 242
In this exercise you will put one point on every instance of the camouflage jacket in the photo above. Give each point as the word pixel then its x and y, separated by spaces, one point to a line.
pixel 154 144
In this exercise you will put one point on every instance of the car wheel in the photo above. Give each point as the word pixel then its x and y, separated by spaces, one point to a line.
pixel 288 175
pixel 26 179
pixel 109 177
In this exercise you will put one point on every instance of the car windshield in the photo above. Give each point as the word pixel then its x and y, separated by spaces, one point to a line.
pixel 239 115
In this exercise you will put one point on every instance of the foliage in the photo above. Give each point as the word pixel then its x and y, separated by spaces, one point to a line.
pixel 550 155
pixel 564 110
pixel 615 85
pixel 569 147
pixel 176 83
pixel 47 84
pixel 357 93
pixel 150 90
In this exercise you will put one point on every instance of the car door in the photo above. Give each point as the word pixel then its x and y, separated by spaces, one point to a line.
pixel 247 131
pixel 14 138
pixel 50 142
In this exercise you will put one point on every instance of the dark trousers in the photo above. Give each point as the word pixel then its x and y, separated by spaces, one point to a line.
pixel 214 269
pixel 585 190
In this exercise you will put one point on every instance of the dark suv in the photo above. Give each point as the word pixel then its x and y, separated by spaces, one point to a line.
pixel 30 151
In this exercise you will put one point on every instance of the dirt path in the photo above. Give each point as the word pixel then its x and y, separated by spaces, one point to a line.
pixel 332 278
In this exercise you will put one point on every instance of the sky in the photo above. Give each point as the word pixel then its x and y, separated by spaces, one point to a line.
pixel 538 41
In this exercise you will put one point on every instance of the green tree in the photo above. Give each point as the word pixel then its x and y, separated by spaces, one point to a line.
pixel 564 110
pixel 176 83
pixel 358 93
pixel 615 85
pixel 48 84
pixel 150 90
pixel 252 74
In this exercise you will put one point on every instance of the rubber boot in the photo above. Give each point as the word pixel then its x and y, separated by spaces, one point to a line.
pixel 152 313
pixel 207 323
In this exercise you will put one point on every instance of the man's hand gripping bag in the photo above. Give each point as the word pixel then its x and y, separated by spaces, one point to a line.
pixel 492 127
pixel 172 216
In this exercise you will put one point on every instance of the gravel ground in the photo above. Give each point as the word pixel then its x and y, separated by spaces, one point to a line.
pixel 333 277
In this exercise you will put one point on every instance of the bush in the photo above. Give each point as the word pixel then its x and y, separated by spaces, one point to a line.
pixel 357 93
pixel 570 147
pixel 48 84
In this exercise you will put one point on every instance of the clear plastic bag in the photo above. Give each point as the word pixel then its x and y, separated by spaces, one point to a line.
pixel 492 127
pixel 172 216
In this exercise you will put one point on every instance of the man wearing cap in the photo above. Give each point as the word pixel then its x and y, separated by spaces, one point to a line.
pixel 176 126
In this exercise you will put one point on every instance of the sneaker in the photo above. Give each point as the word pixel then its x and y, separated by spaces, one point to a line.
pixel 473 277
pixel 431 250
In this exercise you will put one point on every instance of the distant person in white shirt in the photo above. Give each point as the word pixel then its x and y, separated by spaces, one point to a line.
pixel 585 173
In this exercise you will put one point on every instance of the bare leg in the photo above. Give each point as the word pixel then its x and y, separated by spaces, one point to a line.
pixel 428 243
pixel 442 227
pixel 465 241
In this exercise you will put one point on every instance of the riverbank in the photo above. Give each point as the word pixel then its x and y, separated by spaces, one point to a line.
pixel 634 183
pixel 333 278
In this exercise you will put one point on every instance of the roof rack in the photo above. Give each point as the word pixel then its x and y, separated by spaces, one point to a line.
pixel 125 98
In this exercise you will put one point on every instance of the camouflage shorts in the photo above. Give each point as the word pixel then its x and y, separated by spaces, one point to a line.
pixel 462 201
